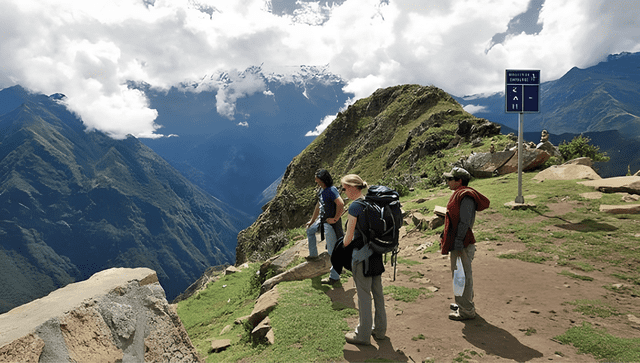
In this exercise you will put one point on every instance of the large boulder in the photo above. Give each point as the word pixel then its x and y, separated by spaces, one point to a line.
pixel 483 165
pixel 531 160
pixel 567 172
pixel 118 314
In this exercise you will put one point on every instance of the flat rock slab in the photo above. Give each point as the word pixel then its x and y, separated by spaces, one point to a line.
pixel 628 184
pixel 24 319
pixel 220 345
pixel 518 206
pixel 621 209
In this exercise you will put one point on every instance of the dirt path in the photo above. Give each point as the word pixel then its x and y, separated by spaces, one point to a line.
pixel 520 308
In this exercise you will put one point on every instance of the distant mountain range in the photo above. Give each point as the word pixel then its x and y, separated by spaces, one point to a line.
pixel 237 163
pixel 601 102
pixel 73 203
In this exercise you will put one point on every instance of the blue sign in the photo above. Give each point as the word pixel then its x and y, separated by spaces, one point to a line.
pixel 522 90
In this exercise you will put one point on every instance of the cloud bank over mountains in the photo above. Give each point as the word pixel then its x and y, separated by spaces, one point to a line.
pixel 90 50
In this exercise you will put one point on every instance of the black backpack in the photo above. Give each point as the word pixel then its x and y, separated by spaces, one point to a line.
pixel 383 219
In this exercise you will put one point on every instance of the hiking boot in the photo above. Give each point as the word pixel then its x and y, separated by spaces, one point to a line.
pixel 453 307
pixel 351 339
pixel 311 258
pixel 455 315
pixel 330 281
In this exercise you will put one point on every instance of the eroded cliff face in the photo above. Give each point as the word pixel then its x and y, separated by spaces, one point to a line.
pixel 387 134
pixel 118 314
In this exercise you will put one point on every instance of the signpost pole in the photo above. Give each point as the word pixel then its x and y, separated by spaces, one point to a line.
pixel 520 198
pixel 522 96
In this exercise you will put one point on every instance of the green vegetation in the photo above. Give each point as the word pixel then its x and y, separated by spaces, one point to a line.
pixel 308 327
pixel 305 319
pixel 576 276
pixel 401 293
pixel 593 308
pixel 602 345
pixel 463 357
pixel 206 314
pixel 580 147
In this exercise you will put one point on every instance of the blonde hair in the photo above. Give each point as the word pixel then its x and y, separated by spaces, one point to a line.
pixel 354 181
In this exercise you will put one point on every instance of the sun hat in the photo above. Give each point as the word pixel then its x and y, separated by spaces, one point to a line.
pixel 458 173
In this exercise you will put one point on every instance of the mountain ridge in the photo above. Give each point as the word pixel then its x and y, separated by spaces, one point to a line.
pixel 598 98
pixel 394 132
pixel 74 202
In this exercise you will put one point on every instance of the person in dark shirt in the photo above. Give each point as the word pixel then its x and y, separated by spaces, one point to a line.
pixel 458 239
pixel 326 218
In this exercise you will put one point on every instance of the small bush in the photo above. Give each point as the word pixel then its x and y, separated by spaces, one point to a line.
pixel 580 147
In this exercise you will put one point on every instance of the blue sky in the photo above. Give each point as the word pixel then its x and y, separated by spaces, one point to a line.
pixel 89 50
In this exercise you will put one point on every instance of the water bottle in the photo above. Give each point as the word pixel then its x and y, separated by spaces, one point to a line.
pixel 458 278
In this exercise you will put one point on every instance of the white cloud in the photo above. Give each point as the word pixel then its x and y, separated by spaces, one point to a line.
pixel 473 109
pixel 88 50
pixel 326 121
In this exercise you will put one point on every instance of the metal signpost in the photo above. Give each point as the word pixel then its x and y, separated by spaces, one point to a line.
pixel 522 91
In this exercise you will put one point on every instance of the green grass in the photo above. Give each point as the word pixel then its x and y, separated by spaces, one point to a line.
pixel 405 261
pixel 593 308
pixel 600 344
pixel 406 294
pixel 206 314
pixel 576 276
pixel 307 326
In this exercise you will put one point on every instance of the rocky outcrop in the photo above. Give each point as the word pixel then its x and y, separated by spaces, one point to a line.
pixel 116 315
pixel 484 165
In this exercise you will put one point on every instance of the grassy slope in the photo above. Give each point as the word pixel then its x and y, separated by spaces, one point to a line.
pixel 403 121
pixel 589 241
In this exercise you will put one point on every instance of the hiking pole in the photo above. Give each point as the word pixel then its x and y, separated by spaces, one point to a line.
pixel 394 262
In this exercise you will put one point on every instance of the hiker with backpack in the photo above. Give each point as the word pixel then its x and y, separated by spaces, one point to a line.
pixel 367 267
pixel 457 238
pixel 326 218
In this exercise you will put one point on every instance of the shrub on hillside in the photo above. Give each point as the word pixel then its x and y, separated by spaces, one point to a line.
pixel 580 147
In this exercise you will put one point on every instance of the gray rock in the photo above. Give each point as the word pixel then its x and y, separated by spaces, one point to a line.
pixel 220 345
pixel 118 314
pixel 626 184
pixel 303 271
pixel 620 209
pixel 549 148
pixel 580 161
pixel 567 172
pixel 264 305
